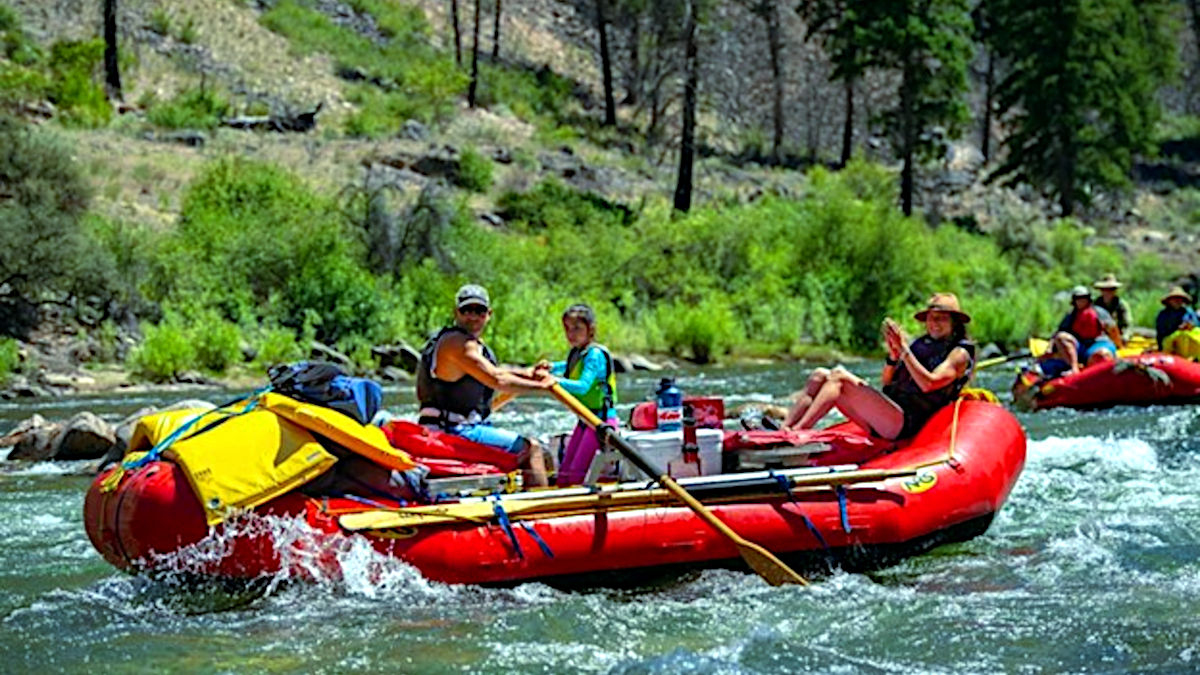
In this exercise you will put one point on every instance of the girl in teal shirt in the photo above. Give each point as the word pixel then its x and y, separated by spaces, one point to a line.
pixel 588 375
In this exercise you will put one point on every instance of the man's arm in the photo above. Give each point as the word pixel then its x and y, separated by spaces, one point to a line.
pixel 468 356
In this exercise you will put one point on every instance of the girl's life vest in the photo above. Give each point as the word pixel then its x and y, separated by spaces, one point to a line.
pixel 601 396
pixel 464 400
pixel 929 352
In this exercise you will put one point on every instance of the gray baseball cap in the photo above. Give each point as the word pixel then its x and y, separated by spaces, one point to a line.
pixel 472 294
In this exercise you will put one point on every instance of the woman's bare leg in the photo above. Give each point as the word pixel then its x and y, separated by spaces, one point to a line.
pixel 870 409
pixel 858 401
pixel 815 381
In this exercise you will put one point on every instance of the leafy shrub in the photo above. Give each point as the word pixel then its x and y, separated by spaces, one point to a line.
pixel 10 359
pixel 217 342
pixel 197 108
pixel 165 352
pixel 277 345
pixel 474 171
pixel 45 251
pixel 702 331
pixel 75 87
pixel 551 202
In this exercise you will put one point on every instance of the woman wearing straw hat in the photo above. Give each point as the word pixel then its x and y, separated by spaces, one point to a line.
pixel 1112 303
pixel 1174 316
pixel 919 378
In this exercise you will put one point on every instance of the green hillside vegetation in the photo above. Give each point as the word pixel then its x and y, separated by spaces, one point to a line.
pixel 259 256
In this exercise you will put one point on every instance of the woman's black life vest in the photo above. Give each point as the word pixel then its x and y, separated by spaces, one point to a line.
pixel 466 397
pixel 904 390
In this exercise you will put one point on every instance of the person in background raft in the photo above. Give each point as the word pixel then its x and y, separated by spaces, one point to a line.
pixel 1086 335
pixel 589 376
pixel 1174 316
pixel 919 378
pixel 1115 305
pixel 457 376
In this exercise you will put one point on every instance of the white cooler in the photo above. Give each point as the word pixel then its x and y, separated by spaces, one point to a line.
pixel 661 448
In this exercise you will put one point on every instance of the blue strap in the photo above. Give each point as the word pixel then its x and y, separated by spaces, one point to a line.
pixel 165 443
pixel 841 495
pixel 786 486
pixel 506 525
pixel 538 538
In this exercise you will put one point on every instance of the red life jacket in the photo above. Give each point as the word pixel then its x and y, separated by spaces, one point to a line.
pixel 1086 324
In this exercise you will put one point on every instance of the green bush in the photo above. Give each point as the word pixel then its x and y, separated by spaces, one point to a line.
pixel 10 359
pixel 474 171
pixel 166 351
pixel 700 331
pixel 197 108
pixel 277 345
pixel 217 342
pixel 75 87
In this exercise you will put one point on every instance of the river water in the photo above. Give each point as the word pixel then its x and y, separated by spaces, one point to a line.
pixel 1093 566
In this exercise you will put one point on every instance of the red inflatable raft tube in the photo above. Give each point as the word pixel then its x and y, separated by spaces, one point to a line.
pixel 1135 380
pixel 943 485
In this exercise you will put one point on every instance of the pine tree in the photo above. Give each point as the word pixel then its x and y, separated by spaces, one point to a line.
pixel 836 23
pixel 928 42
pixel 1079 94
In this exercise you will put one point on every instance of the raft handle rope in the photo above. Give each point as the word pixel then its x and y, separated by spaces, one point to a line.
pixel 506 525
pixel 786 487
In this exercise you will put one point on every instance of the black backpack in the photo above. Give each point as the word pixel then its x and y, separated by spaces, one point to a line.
pixel 328 385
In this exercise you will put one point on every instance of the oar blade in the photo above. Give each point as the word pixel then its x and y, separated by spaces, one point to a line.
pixel 770 568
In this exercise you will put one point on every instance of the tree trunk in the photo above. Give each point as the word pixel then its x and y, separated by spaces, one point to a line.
pixel 471 91
pixel 908 136
pixel 610 106
pixel 634 84
pixel 496 33
pixel 775 47
pixel 848 123
pixel 112 67
pixel 687 144
pixel 1194 6
pixel 989 85
pixel 457 33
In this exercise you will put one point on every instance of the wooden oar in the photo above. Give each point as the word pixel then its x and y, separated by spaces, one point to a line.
pixel 479 510
pixel 995 361
pixel 762 561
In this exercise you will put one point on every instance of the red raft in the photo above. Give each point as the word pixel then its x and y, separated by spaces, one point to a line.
pixel 859 504
pixel 1134 380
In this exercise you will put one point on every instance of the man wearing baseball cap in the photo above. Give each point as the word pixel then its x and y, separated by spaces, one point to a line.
pixel 458 375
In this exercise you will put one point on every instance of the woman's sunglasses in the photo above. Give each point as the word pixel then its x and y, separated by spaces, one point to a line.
pixel 477 310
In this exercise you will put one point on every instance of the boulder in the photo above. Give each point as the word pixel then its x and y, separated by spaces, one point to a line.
pixel 393 374
pixel 622 364
pixel 85 436
pixel 324 352
pixel 401 354
pixel 21 429
pixel 37 444
pixel 640 362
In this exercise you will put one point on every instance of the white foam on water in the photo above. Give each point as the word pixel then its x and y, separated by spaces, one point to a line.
pixel 1109 452
pixel 46 469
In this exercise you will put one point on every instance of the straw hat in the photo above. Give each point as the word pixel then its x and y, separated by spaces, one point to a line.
pixel 943 302
pixel 1106 282
pixel 1177 292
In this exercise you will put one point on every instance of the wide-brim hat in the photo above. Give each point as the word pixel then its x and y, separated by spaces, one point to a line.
pixel 1108 281
pixel 1177 292
pixel 943 302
